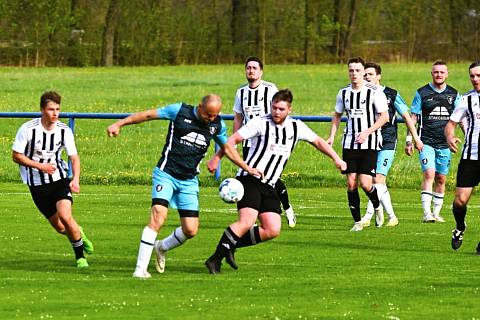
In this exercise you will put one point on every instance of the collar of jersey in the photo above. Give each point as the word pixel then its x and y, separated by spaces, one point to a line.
pixel 435 89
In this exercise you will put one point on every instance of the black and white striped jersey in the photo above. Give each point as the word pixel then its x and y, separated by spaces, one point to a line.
pixel 272 144
pixel 254 102
pixel 44 146
pixel 362 108
pixel 469 109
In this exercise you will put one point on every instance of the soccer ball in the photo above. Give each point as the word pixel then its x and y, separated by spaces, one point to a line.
pixel 231 190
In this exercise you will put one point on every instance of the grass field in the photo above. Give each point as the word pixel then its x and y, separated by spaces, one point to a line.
pixel 319 270
pixel 130 158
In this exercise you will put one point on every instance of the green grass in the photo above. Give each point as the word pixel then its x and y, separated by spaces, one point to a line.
pixel 131 157
pixel 319 270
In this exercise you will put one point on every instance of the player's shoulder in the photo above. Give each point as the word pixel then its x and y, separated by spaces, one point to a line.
pixel 451 89
pixel 470 93
pixel 389 90
pixel 62 125
pixel 243 86
pixel 30 124
pixel 371 86
pixel 268 84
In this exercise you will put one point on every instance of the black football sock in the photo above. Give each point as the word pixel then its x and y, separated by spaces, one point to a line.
pixel 354 204
pixel 227 242
pixel 77 246
pixel 251 238
pixel 459 213
pixel 282 193
pixel 373 196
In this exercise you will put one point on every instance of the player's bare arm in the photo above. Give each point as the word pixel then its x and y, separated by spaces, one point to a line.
pixel 408 145
pixel 450 136
pixel 139 117
pixel 327 149
pixel 412 131
pixel 75 183
pixel 237 121
pixel 20 158
pixel 337 117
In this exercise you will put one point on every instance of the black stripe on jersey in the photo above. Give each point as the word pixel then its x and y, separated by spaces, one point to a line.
pixel 41 174
pixel 44 142
pixel 275 168
pixel 57 155
pixel 256 97
pixel 284 133
pixel 50 177
pixel 52 138
pixel 470 127
pixel 267 167
pixel 265 143
pixel 369 119
pixel 241 104
pixel 265 100
pixel 295 129
pixel 277 135
pixel 249 98
pixel 30 156
pixel 359 121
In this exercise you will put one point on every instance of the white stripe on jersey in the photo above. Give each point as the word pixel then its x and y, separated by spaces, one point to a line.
pixel 469 108
pixel 44 146
pixel 361 107
pixel 272 144
pixel 254 102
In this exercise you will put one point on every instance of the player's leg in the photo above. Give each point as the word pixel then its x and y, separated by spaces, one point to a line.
pixel 384 163
pixel 283 196
pixel 427 162
pixel 442 166
pixel 366 169
pixel 351 158
pixel 162 192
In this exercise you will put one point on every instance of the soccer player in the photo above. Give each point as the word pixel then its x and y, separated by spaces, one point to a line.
pixel 431 109
pixel 38 149
pixel 385 156
pixel 366 107
pixel 273 137
pixel 468 174
pixel 175 181
pixel 254 100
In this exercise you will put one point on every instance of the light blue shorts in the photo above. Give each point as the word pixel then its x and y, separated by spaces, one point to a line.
pixel 181 194
pixel 438 159
pixel 384 161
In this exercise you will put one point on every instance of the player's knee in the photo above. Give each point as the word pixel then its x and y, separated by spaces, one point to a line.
pixel 190 231
pixel 460 202
pixel 440 179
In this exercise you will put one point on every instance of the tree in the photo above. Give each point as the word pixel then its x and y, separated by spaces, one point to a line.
pixel 108 38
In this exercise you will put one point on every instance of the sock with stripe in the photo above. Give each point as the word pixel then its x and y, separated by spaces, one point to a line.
pixel 175 239
pixel 77 246
pixel 282 193
pixel 227 242
pixel 146 246
pixel 354 204
pixel 373 196
pixel 251 238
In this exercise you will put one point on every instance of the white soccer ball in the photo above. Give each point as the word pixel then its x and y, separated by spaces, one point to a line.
pixel 231 190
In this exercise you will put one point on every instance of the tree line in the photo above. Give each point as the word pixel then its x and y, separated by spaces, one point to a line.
pixel 157 32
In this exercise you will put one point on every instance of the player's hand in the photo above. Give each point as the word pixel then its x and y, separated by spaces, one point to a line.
pixel 409 149
pixel 212 164
pixel 419 145
pixel 257 173
pixel 113 130
pixel 361 137
pixel 48 168
pixel 452 144
pixel 75 186
pixel 330 140
pixel 341 165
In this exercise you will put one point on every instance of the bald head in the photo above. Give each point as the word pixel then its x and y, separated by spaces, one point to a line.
pixel 210 107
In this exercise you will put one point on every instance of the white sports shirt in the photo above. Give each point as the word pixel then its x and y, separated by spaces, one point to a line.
pixel 272 144
pixel 469 109
pixel 361 107
pixel 38 144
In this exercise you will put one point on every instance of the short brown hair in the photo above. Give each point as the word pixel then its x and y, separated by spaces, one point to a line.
pixel 49 96
pixel 356 60
pixel 283 95
pixel 375 66
pixel 255 59
pixel 439 63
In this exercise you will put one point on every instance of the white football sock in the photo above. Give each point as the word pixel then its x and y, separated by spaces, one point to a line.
pixel 146 247
pixel 386 202
pixel 369 214
pixel 437 203
pixel 175 239
pixel 426 202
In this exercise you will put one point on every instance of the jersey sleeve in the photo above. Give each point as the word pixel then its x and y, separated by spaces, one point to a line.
pixel 400 105
pixel 380 100
pixel 252 129
pixel 169 112
pixel 70 147
pixel 339 106
pixel 416 104
pixel 221 137
pixel 21 140
pixel 305 133
pixel 458 101
pixel 237 105
pixel 460 111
